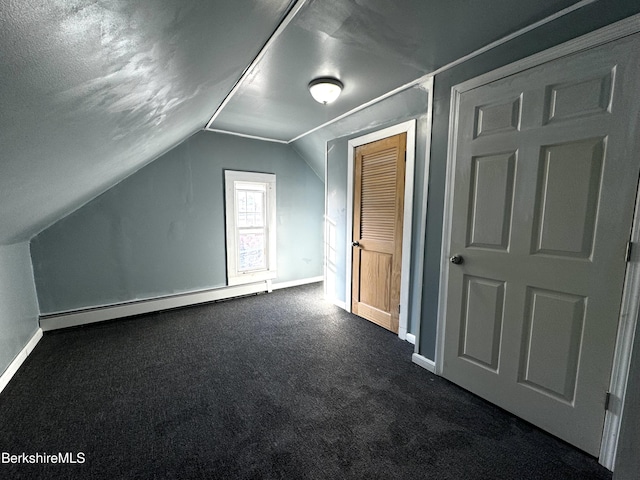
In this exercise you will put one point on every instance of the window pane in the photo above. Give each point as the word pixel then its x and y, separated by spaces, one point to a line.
pixel 259 201
pixel 254 219
pixel 241 201
pixel 251 203
pixel 251 251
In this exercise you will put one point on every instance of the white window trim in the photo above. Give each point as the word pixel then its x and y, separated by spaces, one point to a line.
pixel 234 277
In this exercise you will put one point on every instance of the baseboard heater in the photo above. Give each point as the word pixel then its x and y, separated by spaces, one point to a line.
pixel 110 312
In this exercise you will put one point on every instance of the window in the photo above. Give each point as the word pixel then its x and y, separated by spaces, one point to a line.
pixel 251 227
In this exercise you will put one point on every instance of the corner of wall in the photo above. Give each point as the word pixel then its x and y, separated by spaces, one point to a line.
pixel 19 309
pixel 310 164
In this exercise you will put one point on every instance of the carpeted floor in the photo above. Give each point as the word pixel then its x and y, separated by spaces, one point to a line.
pixel 275 386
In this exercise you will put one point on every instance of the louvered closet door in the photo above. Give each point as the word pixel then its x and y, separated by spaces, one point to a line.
pixel 377 230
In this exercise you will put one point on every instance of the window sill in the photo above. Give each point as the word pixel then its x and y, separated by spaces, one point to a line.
pixel 251 278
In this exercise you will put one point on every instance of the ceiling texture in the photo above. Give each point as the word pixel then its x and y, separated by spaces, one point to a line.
pixel 372 46
pixel 92 90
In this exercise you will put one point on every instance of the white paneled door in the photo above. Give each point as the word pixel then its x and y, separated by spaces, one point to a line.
pixel 545 175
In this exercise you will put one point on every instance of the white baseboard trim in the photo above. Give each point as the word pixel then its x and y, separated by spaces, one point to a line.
pixel 337 303
pixel 424 362
pixel 411 338
pixel 19 360
pixel 111 312
pixel 402 333
pixel 296 283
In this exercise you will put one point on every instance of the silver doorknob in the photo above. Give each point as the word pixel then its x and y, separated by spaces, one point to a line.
pixel 456 259
pixel 355 244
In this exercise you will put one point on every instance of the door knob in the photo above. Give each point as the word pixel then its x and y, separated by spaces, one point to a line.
pixel 456 259
pixel 355 244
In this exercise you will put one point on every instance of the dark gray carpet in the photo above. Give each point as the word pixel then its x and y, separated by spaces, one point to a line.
pixel 280 385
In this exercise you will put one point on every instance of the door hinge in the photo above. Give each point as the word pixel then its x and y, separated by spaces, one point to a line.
pixel 607 400
pixel 628 253
pixel 398 309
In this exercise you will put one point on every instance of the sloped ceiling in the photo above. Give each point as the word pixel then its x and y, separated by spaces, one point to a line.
pixel 92 90
pixel 373 47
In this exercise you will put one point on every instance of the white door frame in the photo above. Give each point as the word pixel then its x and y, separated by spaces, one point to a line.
pixel 409 128
pixel 630 310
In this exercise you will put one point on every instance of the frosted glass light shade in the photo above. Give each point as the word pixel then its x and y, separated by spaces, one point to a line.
pixel 325 90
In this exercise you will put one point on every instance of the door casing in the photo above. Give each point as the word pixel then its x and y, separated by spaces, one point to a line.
pixel 410 128
pixel 630 311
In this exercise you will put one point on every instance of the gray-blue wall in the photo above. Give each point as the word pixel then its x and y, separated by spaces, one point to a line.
pixel 162 230
pixel 18 304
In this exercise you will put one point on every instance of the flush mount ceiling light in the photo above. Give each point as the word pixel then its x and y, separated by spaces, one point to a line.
pixel 325 90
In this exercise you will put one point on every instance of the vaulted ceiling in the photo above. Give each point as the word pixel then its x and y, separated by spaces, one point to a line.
pixel 372 46
pixel 92 90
